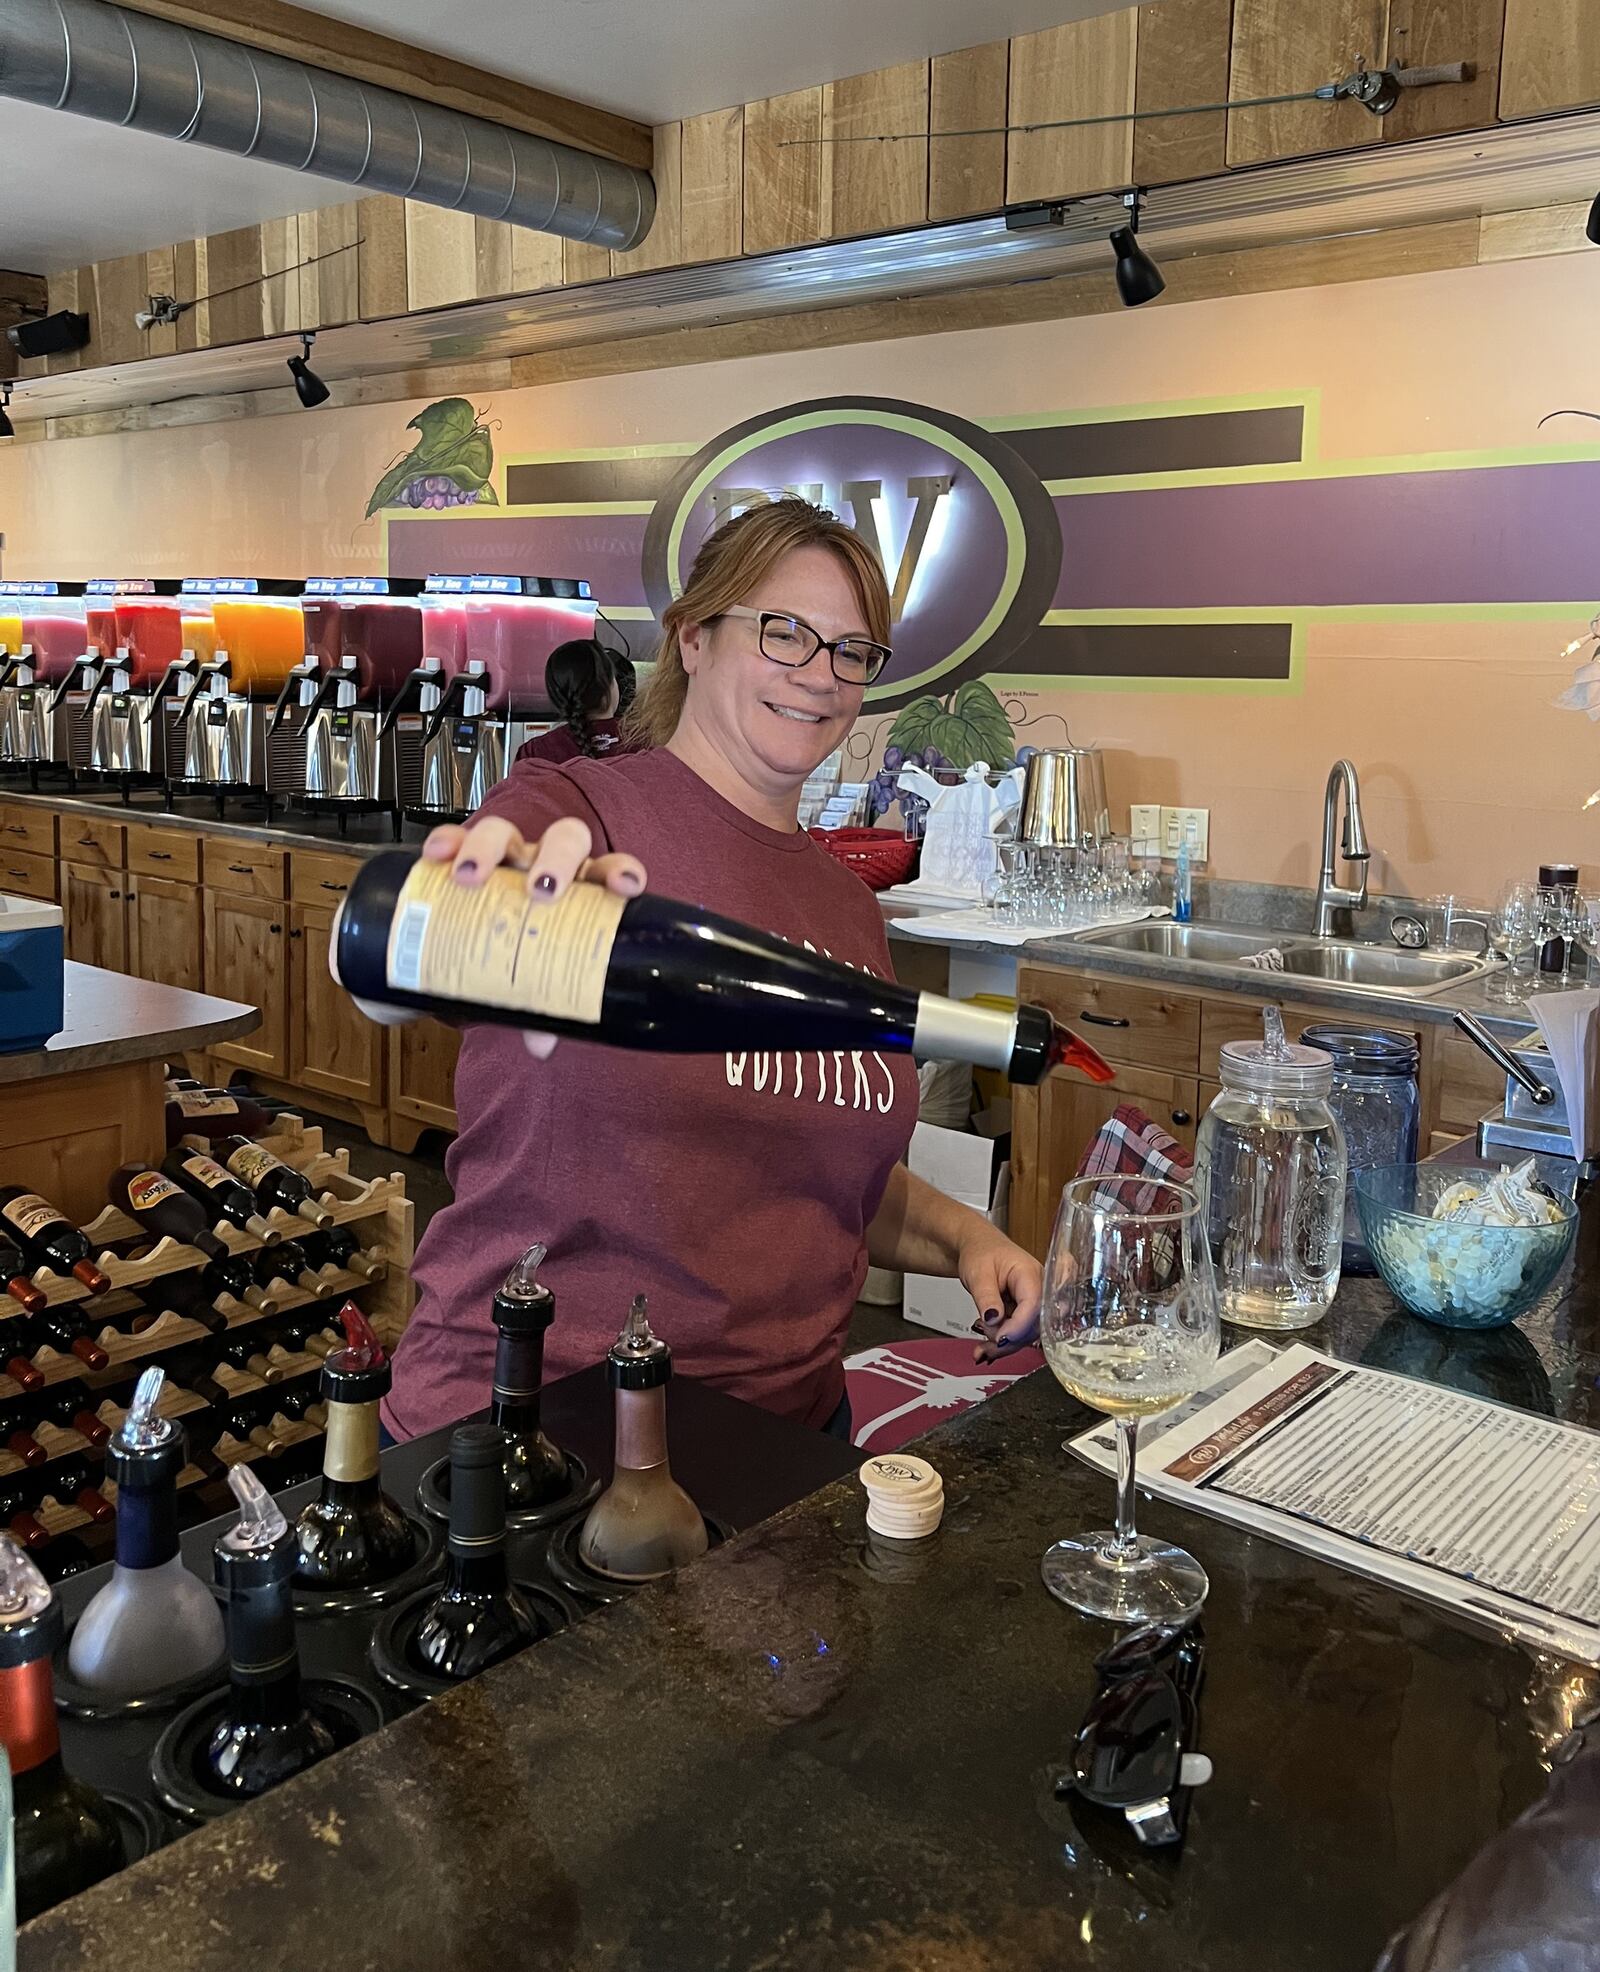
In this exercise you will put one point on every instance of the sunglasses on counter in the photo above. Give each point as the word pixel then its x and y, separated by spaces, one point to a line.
pixel 1133 1753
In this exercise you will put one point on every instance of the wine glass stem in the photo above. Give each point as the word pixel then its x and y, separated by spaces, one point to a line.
pixel 1127 1475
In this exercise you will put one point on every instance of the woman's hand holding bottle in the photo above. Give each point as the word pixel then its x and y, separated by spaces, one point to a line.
pixel 560 857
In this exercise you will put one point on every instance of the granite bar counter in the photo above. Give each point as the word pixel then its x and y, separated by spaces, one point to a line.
pixel 91 1097
pixel 816 1751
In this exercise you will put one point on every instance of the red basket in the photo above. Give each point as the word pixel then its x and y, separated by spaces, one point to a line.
pixel 879 857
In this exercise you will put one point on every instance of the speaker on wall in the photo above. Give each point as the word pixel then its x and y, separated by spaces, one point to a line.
pixel 49 335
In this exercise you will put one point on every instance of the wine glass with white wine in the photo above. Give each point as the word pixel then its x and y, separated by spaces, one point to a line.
pixel 1129 1325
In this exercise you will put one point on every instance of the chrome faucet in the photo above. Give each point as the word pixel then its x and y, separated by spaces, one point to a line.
pixel 1331 896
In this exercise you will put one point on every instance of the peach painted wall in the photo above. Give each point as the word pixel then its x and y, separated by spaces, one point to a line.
pixel 1469 773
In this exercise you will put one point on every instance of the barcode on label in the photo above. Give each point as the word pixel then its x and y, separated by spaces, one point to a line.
pixel 410 934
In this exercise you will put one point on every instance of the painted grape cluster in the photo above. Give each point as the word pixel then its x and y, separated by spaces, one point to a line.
pixel 882 793
pixel 436 491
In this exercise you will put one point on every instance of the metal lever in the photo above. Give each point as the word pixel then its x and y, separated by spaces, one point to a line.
pixel 1504 1059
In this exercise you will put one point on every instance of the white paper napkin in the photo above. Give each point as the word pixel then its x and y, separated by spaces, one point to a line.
pixel 1571 1032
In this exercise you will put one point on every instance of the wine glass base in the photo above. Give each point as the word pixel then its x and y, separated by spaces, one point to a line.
pixel 1154 1583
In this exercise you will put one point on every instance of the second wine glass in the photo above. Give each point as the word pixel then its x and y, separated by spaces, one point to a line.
pixel 1129 1325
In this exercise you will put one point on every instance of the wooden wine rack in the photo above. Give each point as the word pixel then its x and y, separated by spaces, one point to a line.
pixel 381 1217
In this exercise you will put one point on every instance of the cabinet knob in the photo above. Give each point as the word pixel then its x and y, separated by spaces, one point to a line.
pixel 295 933
pixel 243 869
pixel 1181 1117
pixel 161 855
pixel 274 929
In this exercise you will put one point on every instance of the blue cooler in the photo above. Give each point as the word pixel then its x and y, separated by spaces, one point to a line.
pixel 31 960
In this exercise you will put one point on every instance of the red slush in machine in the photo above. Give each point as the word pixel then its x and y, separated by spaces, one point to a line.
pixel 113 694
pixel 363 640
pixel 455 727
pixel 43 634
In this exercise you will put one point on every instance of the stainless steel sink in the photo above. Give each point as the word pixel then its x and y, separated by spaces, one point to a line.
pixel 1378 968
pixel 1214 944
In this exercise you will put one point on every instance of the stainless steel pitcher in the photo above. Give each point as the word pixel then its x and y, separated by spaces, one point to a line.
pixel 1064 798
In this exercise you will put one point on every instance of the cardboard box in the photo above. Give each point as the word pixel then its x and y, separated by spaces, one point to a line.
pixel 957 1163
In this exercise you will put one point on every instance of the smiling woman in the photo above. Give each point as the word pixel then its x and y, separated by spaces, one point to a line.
pixel 742 1193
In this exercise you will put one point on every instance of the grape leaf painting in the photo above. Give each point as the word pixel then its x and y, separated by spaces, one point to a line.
pixel 969 727
pixel 449 466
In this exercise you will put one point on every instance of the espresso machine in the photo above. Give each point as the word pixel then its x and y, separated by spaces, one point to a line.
pixel 42 636
pixel 322 748
pixel 454 727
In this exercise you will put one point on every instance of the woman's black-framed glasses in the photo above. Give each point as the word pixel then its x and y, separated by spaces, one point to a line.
pixel 791 642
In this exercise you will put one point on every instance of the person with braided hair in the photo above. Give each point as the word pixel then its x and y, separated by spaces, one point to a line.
pixel 580 681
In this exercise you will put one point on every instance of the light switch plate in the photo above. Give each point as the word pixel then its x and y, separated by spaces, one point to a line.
pixel 1174 824
pixel 1144 823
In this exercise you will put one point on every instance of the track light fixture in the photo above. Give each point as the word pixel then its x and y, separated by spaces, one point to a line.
pixel 7 428
pixel 308 386
pixel 1138 277
pixel 1592 229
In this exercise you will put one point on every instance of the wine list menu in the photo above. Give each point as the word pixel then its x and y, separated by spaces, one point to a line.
pixel 1491 1511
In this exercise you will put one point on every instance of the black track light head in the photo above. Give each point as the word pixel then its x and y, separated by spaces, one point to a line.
pixel 7 428
pixel 1593 227
pixel 1139 279
pixel 308 386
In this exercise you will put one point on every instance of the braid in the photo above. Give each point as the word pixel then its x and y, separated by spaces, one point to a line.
pixel 578 726
pixel 577 680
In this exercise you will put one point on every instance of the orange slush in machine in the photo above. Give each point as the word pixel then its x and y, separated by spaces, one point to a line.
pixel 248 636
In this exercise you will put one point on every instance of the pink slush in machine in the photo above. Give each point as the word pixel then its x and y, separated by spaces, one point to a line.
pixel 43 636
pixel 478 693
pixel 113 693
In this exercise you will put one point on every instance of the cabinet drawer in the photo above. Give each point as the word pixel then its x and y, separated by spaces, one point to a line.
pixel 27 876
pixel 246 868
pixel 1126 1022
pixel 91 843
pixel 319 879
pixel 29 829
pixel 171 853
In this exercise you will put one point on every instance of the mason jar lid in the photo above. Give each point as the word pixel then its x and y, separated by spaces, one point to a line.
pixel 1295 1070
pixel 1364 1050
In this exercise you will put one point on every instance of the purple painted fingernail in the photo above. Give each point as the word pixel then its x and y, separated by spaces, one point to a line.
pixel 630 883
pixel 991 1314
pixel 545 884
pixel 468 868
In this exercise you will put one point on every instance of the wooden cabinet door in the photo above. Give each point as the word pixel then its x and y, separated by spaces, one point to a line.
pixel 332 1044
pixel 1054 1124
pixel 247 958
pixel 164 931
pixel 422 1078
pixel 94 907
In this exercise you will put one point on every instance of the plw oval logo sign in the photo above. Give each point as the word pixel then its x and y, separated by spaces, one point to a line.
pixel 966 533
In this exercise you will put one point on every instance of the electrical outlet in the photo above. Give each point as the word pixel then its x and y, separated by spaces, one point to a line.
pixel 1144 823
pixel 1175 823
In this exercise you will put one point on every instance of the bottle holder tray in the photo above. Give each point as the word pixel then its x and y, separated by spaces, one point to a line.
pixel 583 1489
pixel 427 1543
pixel 396 1627
pixel 143 1829
pixel 81 1701
pixel 176 1764
pixel 561 1558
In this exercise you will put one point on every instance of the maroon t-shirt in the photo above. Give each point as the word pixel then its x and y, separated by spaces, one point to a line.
pixel 558 746
pixel 734 1190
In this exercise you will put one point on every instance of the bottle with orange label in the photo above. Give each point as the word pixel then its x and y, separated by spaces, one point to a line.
pixel 47 1238
pixel 66 1835
pixel 155 1201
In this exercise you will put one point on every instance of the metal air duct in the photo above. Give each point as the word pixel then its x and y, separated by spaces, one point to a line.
pixel 102 61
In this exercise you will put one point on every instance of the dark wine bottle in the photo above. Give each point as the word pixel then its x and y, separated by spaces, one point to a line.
pixel 336 1246
pixel 72 1406
pixel 648 972
pixel 17 1505
pixel 47 1239
pixel 73 1483
pixel 285 1266
pixel 153 1623
pixel 17 1364
pixel 161 1204
pixel 193 1111
pixel 67 1330
pixel 536 1471
pixel 273 1182
pixel 477 1617
pixel 218 1190
pixel 268 1732
pixel 66 1556
pixel 14 1277
pixel 352 1534
pixel 644 1524
pixel 65 1835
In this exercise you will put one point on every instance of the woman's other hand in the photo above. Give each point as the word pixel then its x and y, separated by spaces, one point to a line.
pixel 1006 1285
pixel 559 857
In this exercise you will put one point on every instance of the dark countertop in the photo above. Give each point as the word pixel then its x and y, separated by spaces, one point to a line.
pixel 112 1017
pixel 812 1752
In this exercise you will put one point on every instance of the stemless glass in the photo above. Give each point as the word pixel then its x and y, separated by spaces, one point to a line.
pixel 1129 1325
pixel 1513 936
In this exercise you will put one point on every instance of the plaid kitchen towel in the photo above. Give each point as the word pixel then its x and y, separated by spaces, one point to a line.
pixel 1129 1145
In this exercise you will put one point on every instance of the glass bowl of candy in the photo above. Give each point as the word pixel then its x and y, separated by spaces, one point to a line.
pixel 1464 1247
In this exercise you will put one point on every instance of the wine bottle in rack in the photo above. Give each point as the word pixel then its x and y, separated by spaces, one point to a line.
pixel 644 1524
pixel 47 1238
pixel 14 1277
pixel 21 1443
pixel 17 1515
pixel 161 1205
pixel 194 1111
pixel 649 972
pixel 246 1351
pixel 71 1406
pixel 73 1482
pixel 337 1246
pixel 268 1732
pixel 536 1471
pixel 65 1330
pixel 218 1190
pixel 352 1534
pixel 272 1182
pixel 66 1556
pixel 153 1623
pixel 19 1367
pixel 65 1834
pixel 478 1617
pixel 286 1266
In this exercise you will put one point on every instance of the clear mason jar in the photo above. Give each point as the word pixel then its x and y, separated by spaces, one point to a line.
pixel 1270 1168
pixel 1379 1106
